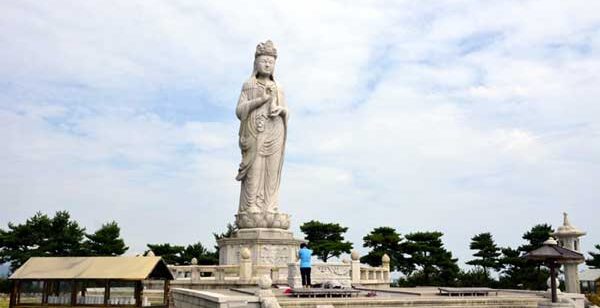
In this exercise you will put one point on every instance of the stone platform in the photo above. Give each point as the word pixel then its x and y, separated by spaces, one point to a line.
pixel 268 246
pixel 411 302
pixel 244 298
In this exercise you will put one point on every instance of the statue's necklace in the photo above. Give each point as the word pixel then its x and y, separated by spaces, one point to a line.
pixel 263 83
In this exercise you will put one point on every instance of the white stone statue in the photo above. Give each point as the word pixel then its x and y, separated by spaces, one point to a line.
pixel 263 118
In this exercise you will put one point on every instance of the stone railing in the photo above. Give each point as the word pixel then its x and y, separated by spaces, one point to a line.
pixel 344 274
pixel 243 273
pixel 321 273
pixel 205 272
pixel 246 273
pixel 370 275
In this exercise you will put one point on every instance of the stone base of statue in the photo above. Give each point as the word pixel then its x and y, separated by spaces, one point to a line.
pixel 269 251
pixel 269 247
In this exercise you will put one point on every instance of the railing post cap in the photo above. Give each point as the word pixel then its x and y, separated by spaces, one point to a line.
pixel 245 253
pixel 265 282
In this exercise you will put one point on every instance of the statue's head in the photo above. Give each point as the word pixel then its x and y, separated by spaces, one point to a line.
pixel 264 59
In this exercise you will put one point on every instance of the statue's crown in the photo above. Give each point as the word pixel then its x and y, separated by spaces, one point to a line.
pixel 266 49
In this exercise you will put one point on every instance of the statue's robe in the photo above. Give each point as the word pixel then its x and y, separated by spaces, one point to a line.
pixel 262 141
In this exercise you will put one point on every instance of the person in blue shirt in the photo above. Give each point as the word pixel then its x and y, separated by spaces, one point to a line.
pixel 305 254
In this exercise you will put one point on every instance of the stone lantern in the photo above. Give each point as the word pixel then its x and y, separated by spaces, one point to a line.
pixel 568 237
pixel 553 256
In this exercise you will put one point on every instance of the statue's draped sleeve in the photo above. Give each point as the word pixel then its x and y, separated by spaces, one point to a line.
pixel 283 103
pixel 244 105
pixel 247 138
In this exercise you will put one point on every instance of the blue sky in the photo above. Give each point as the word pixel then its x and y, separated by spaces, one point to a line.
pixel 457 116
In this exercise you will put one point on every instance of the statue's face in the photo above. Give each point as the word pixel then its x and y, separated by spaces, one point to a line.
pixel 265 65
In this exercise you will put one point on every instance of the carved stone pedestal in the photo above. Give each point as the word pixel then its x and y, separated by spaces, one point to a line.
pixel 322 273
pixel 269 249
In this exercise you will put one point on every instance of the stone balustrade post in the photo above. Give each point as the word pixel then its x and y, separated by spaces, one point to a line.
pixel 245 269
pixel 194 270
pixel 293 275
pixel 385 263
pixel 195 273
pixel 355 266
pixel 219 274
pixel 265 294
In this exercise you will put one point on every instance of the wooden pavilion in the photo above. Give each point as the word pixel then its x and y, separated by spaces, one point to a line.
pixel 90 282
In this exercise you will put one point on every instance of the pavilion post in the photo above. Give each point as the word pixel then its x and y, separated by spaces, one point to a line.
pixel 73 292
pixel 45 291
pixel 166 293
pixel 552 266
pixel 13 293
pixel 138 293
pixel 106 292
pixel 18 290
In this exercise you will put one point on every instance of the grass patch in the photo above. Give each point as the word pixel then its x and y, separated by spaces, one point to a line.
pixel 3 302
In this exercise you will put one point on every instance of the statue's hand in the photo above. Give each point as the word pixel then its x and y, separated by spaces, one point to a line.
pixel 266 98
pixel 278 110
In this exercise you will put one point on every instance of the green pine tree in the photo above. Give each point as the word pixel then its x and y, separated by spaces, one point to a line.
pixel 201 253
pixel 520 273
pixel 511 275
pixel 326 239
pixel 383 240
pixel 231 229
pixel 594 262
pixel 105 241
pixel 487 252
pixel 40 236
pixel 429 263
pixel 171 254
pixel 536 237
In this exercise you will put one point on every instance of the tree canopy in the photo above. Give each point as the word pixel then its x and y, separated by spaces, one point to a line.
pixel 171 254
pixel 201 253
pixel 326 239
pixel 428 262
pixel 183 255
pixel 231 229
pixel 536 237
pixel 512 273
pixel 521 273
pixel 59 235
pixel 40 236
pixel 383 240
pixel 105 241
pixel 594 261
pixel 487 252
